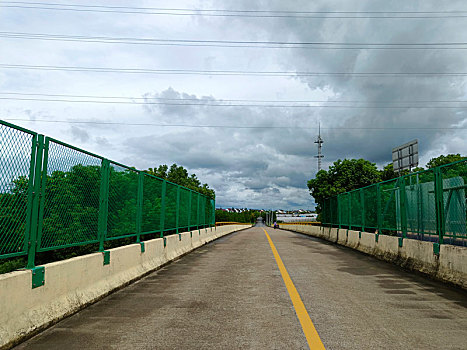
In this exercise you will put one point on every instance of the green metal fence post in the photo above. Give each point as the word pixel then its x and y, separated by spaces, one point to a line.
pixel 350 211
pixel 162 222
pixel 103 203
pixel 189 212
pixel 139 206
pixel 439 204
pixel 29 205
pixel 378 207
pixel 32 239
pixel 403 209
pixel 43 181
pixel 213 222
pixel 177 213
pixel 197 216
pixel 362 200
pixel 339 210
pixel 205 220
pixel 420 226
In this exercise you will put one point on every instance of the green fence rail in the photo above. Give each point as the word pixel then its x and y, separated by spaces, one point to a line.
pixel 54 195
pixel 427 205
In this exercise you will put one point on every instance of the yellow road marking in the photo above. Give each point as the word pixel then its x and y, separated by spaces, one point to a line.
pixel 312 337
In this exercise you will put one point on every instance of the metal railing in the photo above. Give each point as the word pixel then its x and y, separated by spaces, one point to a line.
pixel 54 195
pixel 426 205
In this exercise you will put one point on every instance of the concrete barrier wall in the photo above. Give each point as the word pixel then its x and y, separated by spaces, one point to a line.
pixel 453 264
pixel 449 266
pixel 75 283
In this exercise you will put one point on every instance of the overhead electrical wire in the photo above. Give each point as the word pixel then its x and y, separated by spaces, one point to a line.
pixel 234 13
pixel 224 72
pixel 203 101
pixel 230 126
pixel 237 43
pixel 234 44
pixel 217 104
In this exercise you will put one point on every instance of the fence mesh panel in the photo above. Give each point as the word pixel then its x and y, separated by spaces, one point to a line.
pixel 344 200
pixel 15 180
pixel 333 215
pixel 170 207
pixel 123 197
pixel 326 211
pixel 71 198
pixel 389 205
pixel 184 214
pixel 370 200
pixel 152 189
pixel 194 209
pixel 428 205
pixel 420 204
pixel 356 208
pixel 202 211
pixel 54 195
pixel 454 183
pixel 208 211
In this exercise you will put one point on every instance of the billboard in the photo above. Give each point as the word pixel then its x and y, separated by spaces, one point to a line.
pixel 405 157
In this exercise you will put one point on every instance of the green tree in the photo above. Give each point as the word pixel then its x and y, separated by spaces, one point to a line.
pixel 180 176
pixel 388 172
pixel 442 160
pixel 71 209
pixel 247 216
pixel 343 176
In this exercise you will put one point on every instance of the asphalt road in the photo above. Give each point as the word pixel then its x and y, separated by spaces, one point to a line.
pixel 230 294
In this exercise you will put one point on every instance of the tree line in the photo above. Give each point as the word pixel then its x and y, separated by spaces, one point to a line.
pixel 350 174
pixel 71 209
pixel 247 216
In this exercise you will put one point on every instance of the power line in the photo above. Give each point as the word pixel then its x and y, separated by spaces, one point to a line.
pixel 235 43
pixel 222 72
pixel 227 10
pixel 229 105
pixel 235 13
pixel 208 100
pixel 230 126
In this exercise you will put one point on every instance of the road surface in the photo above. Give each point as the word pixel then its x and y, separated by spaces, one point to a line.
pixel 230 294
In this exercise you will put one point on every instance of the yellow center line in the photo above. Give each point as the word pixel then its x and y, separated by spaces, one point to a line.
pixel 312 337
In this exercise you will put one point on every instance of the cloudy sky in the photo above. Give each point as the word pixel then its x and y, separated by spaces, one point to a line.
pixel 258 151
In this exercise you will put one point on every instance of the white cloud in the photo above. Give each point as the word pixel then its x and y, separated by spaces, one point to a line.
pixel 247 167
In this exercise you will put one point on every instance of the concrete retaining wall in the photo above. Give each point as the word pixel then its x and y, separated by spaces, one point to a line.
pixel 75 283
pixel 449 266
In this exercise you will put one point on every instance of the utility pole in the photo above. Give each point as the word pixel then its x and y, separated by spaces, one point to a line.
pixel 320 142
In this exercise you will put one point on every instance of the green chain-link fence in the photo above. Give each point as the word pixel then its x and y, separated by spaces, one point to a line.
pixel 427 205
pixel 54 195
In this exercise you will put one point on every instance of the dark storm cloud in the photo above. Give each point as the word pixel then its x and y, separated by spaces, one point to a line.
pixel 368 132
pixel 370 144
pixel 264 167
pixel 267 163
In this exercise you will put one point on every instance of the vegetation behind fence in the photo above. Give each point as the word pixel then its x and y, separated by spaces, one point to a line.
pixel 426 205
pixel 54 195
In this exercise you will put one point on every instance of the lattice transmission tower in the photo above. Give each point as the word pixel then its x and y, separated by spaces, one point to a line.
pixel 320 142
